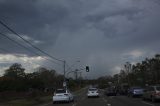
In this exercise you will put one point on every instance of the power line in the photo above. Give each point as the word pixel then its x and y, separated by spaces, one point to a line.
pixel 157 2
pixel 6 26
pixel 27 48
pixel 41 65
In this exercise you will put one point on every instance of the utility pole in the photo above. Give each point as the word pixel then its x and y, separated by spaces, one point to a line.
pixel 76 74
pixel 64 67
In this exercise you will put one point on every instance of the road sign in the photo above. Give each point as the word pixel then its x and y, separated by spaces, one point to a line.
pixel 64 84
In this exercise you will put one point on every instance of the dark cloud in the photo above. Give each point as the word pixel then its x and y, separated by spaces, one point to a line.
pixel 101 33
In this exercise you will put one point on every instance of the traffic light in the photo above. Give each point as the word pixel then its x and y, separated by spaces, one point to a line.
pixel 87 68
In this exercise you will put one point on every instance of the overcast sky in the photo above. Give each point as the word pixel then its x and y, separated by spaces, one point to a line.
pixel 103 34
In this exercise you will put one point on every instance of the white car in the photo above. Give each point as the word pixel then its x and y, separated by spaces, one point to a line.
pixel 152 93
pixel 62 95
pixel 93 92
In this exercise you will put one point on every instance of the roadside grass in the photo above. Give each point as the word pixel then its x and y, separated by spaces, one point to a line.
pixel 28 101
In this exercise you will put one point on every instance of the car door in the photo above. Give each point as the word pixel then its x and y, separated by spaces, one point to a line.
pixel 150 92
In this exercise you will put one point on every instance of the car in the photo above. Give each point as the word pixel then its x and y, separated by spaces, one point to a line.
pixel 110 91
pixel 135 91
pixel 62 95
pixel 152 93
pixel 92 92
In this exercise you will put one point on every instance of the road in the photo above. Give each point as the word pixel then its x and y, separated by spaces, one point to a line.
pixel 82 100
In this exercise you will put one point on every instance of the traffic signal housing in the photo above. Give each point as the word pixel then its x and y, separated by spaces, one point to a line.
pixel 87 68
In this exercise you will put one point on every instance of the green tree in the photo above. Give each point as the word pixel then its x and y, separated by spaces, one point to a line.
pixel 15 71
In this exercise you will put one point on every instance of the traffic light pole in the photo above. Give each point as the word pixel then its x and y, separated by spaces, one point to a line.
pixel 64 67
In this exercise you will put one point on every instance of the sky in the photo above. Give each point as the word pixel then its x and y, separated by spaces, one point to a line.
pixel 103 34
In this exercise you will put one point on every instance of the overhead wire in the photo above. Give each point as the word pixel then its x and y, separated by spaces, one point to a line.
pixel 6 26
pixel 19 44
pixel 41 65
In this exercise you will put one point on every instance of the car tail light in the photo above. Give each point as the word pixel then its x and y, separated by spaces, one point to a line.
pixel 156 93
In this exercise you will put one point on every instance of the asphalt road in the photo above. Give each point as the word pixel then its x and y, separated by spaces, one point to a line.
pixel 82 100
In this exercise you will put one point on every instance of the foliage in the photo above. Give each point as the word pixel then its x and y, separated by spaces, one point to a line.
pixel 15 79
pixel 146 72
pixel 143 73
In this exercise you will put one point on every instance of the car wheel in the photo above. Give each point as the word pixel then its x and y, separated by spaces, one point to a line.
pixel 132 95
pixel 153 99
pixel 69 100
pixel 73 100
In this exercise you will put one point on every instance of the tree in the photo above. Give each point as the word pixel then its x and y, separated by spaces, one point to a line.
pixel 15 71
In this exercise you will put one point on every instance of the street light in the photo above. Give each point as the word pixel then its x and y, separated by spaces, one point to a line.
pixel 64 83
pixel 76 70
pixel 86 68
pixel 73 65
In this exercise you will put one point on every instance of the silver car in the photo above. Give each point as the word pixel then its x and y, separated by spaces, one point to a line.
pixel 152 93
pixel 93 92
pixel 62 95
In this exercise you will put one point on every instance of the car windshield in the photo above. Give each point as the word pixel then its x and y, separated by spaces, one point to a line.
pixel 93 89
pixel 136 88
pixel 60 91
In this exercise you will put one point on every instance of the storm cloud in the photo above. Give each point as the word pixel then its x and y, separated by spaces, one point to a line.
pixel 103 34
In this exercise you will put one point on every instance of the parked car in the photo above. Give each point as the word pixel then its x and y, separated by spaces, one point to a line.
pixel 62 95
pixel 135 91
pixel 93 92
pixel 110 91
pixel 152 93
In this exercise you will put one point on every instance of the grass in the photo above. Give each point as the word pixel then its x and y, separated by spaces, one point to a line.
pixel 28 101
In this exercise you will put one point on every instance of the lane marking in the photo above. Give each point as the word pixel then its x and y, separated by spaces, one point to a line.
pixel 148 103
pixel 74 104
pixel 111 97
pixel 108 104
pixel 104 100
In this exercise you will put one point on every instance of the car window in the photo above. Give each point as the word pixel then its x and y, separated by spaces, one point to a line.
pixel 151 89
pixel 92 89
pixel 60 91
pixel 158 88
pixel 137 88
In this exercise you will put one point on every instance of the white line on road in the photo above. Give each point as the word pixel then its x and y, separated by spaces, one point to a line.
pixel 111 97
pixel 148 103
pixel 74 104
pixel 108 104
pixel 104 100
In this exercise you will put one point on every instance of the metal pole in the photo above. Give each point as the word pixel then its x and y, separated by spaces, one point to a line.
pixel 64 70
